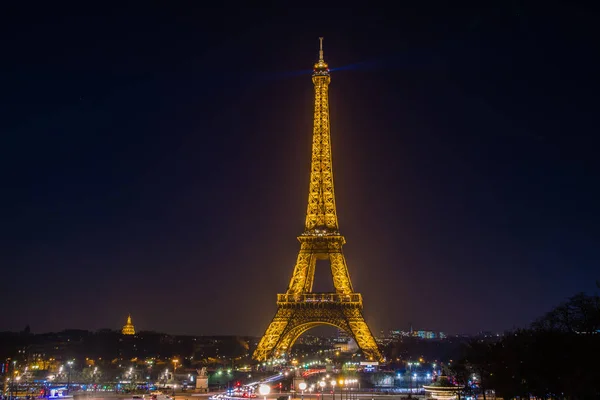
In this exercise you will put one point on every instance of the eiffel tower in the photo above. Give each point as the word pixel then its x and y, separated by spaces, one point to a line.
pixel 301 309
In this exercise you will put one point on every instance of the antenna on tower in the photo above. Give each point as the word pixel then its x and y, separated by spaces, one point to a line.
pixel 320 49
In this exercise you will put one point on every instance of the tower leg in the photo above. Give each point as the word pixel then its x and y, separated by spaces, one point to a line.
pixel 362 334
pixel 339 272
pixel 272 336
pixel 304 271
pixel 291 322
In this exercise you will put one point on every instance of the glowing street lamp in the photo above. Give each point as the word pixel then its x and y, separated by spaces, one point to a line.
pixel 70 363
pixel 175 361
pixel 13 379
pixel 264 390
pixel 322 386
pixel 302 387
pixel 416 382
pixel 333 382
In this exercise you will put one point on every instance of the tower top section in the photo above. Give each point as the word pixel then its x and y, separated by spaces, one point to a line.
pixel 321 67
pixel 321 215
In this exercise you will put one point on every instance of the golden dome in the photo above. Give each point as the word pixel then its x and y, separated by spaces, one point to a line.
pixel 128 329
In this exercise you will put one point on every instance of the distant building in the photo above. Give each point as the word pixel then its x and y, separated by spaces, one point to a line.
pixel 425 334
pixel 128 329
pixel 397 334
pixel 342 335
pixel 346 347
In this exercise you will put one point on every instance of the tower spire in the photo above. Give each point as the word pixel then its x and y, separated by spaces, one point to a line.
pixel 321 67
pixel 321 49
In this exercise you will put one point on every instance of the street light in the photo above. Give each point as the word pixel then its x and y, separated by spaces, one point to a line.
pixel 333 382
pixel 70 363
pixel 322 385
pixel 175 361
pixel 302 387
pixel 416 383
pixel 12 387
pixel 264 390
pixel 348 383
pixel 18 378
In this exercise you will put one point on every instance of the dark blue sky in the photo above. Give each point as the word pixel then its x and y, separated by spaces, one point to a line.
pixel 155 161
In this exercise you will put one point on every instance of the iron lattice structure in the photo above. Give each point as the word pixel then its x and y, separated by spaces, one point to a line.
pixel 299 309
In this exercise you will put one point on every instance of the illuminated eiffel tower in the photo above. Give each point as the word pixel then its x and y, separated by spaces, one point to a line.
pixel 300 309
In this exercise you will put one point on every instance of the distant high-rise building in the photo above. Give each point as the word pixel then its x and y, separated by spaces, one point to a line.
pixel 128 329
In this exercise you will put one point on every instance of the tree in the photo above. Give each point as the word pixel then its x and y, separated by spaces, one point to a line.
pixel 461 371
pixel 555 357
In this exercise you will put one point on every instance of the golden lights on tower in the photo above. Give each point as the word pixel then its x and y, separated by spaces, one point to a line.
pixel 301 309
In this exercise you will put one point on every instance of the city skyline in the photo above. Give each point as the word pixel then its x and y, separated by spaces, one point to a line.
pixel 162 171
pixel 129 329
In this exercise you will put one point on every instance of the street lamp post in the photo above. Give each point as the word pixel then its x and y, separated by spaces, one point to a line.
pixel 302 387
pixel 350 393
pixel 18 378
pixel 12 387
pixel 346 382
pixel 351 382
pixel 175 361
pixel 322 385
pixel 70 363
pixel 333 382
pixel 264 390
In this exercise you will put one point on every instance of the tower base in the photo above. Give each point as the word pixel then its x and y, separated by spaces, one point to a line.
pixel 298 313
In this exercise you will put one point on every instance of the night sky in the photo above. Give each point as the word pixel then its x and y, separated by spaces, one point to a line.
pixel 155 161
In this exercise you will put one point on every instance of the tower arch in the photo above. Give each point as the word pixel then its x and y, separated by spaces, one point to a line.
pixel 288 341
